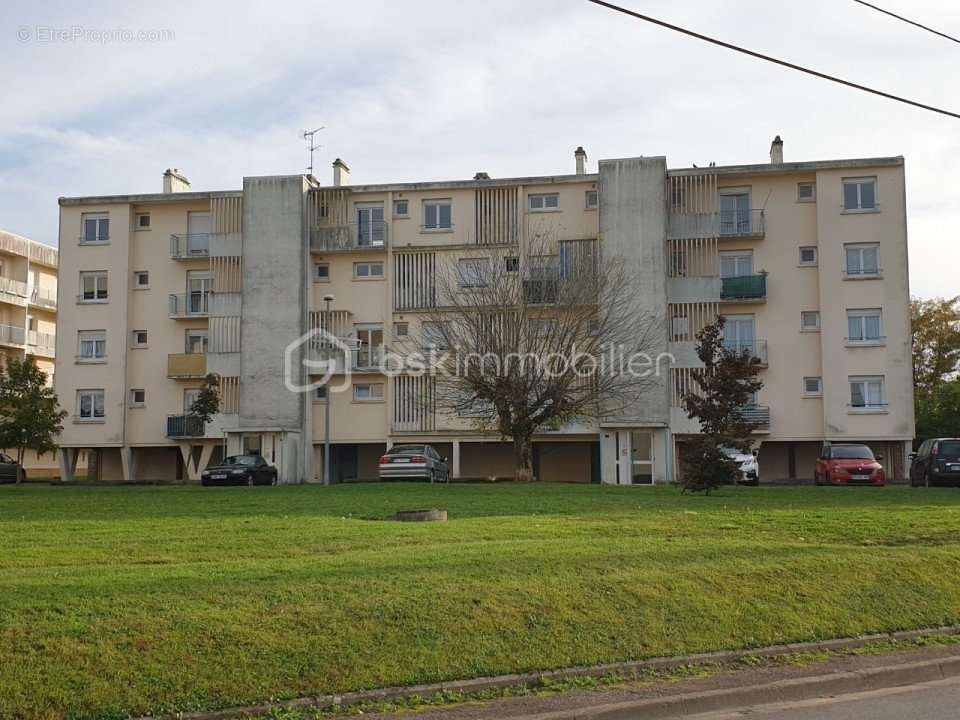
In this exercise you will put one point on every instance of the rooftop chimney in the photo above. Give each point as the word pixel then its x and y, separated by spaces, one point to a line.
pixel 776 151
pixel 581 156
pixel 341 173
pixel 173 181
pixel 481 176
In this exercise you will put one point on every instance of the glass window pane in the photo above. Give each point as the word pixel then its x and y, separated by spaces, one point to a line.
pixel 98 405
pixel 853 261
pixel 430 216
pixel 872 327
pixel 854 328
pixel 552 201
pixel 870 257
pixel 856 394
pixel 850 200
pixel 867 195
pixel 445 216
pixel 875 392
pixel 86 405
pixel 89 230
pixel 376 269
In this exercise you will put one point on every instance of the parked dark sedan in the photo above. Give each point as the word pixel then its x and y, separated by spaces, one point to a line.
pixel 240 470
pixel 936 462
pixel 11 470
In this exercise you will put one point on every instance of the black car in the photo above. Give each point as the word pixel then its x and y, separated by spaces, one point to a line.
pixel 11 470
pixel 936 462
pixel 240 470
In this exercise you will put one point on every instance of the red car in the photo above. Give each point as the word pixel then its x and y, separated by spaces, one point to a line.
pixel 848 465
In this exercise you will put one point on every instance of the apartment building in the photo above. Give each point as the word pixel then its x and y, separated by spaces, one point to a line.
pixel 28 310
pixel 807 262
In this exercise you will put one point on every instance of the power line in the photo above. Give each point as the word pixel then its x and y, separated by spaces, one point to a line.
pixel 776 61
pixel 907 20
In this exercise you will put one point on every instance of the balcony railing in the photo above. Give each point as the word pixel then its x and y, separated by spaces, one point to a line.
pixel 759 415
pixel 41 343
pixel 45 297
pixel 740 223
pixel 192 245
pixel 350 236
pixel 366 358
pixel 754 348
pixel 184 426
pixel 541 291
pixel 192 304
pixel 10 335
pixel 13 287
pixel 744 287
pixel 186 365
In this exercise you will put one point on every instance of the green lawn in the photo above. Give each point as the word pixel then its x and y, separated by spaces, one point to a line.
pixel 127 600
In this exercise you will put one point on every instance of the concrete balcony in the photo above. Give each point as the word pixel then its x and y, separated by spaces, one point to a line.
pixel 190 247
pixel 754 348
pixel 745 288
pixel 11 336
pixel 723 224
pixel 759 415
pixel 41 343
pixel 349 237
pixel 185 366
pixel 189 305
pixel 13 291
pixel 44 297
pixel 184 426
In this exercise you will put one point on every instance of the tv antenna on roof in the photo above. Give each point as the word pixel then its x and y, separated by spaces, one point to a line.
pixel 311 146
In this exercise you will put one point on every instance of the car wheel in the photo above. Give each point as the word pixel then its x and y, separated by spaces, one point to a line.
pixel 273 479
pixel 433 476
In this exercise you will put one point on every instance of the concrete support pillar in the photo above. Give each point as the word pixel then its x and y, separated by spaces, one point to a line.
pixel 455 468
pixel 193 469
pixel 128 459
pixel 608 457
pixel 67 458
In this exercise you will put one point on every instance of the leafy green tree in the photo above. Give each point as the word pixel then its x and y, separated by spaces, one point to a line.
pixel 936 362
pixel 722 389
pixel 30 415
pixel 207 403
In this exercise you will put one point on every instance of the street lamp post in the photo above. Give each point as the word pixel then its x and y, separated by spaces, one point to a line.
pixel 326 411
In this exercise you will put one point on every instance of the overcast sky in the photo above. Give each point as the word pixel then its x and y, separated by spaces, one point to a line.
pixel 437 90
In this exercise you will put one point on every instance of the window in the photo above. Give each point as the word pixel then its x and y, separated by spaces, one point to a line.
pixel 864 326
pixel 143 221
pixel 681 328
pixel 320 393
pixel 93 345
pixel 433 335
pixel 141 280
pixel 190 396
pixel 368 392
pixel 139 338
pixel 859 194
pixel 196 342
pixel 812 387
pixel 736 263
pixel 198 292
pixel 371 228
pixel 93 286
pixel 437 215
pixel 321 272
pixel 511 264
pixel 806 192
pixel 90 405
pixel 735 211
pixel 473 272
pixel 867 392
pixel 401 329
pixel 810 321
pixel 543 203
pixel 863 261
pixel 368 270
pixel 401 208
pixel 96 228
pixel 808 256
pixel 591 200
pixel 138 398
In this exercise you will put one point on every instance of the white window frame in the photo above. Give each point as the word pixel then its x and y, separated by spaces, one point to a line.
pixel 543 202
pixel 138 226
pixel 98 219
pixel 804 327
pixel 134 403
pixel 472 273
pixel 92 416
pixel 137 274
pixel 808 263
pixel 859 182
pixel 737 256
pixel 316 272
pixel 807 392
pixel 435 225
pixel 135 341
pixel 374 392
pixel 101 290
pixel 96 342
pixel 873 389
pixel 595 195
pixel 813 192
pixel 201 334
pixel 369 264
pixel 860 249
pixel 320 394
pixel 861 316
pixel 190 396
pixel 396 208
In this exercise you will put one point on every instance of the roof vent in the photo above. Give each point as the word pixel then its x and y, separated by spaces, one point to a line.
pixel 481 176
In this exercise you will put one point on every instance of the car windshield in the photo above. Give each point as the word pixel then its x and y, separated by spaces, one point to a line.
pixel 950 448
pixel 406 450
pixel 250 460
pixel 851 452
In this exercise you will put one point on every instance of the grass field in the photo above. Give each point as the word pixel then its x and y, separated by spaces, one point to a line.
pixel 117 601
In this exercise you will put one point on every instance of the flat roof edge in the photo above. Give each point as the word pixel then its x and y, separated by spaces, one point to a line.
pixel 807 166
pixel 148 198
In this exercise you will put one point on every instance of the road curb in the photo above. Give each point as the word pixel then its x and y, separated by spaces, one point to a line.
pixel 780 691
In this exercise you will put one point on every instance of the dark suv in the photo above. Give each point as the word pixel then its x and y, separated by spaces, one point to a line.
pixel 936 462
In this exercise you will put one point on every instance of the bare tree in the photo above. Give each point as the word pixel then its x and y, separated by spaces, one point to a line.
pixel 523 341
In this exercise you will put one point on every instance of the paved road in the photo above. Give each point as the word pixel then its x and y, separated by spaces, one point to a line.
pixel 928 701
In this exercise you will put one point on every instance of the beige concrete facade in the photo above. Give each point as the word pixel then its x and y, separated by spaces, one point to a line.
pixel 232 277
pixel 28 313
